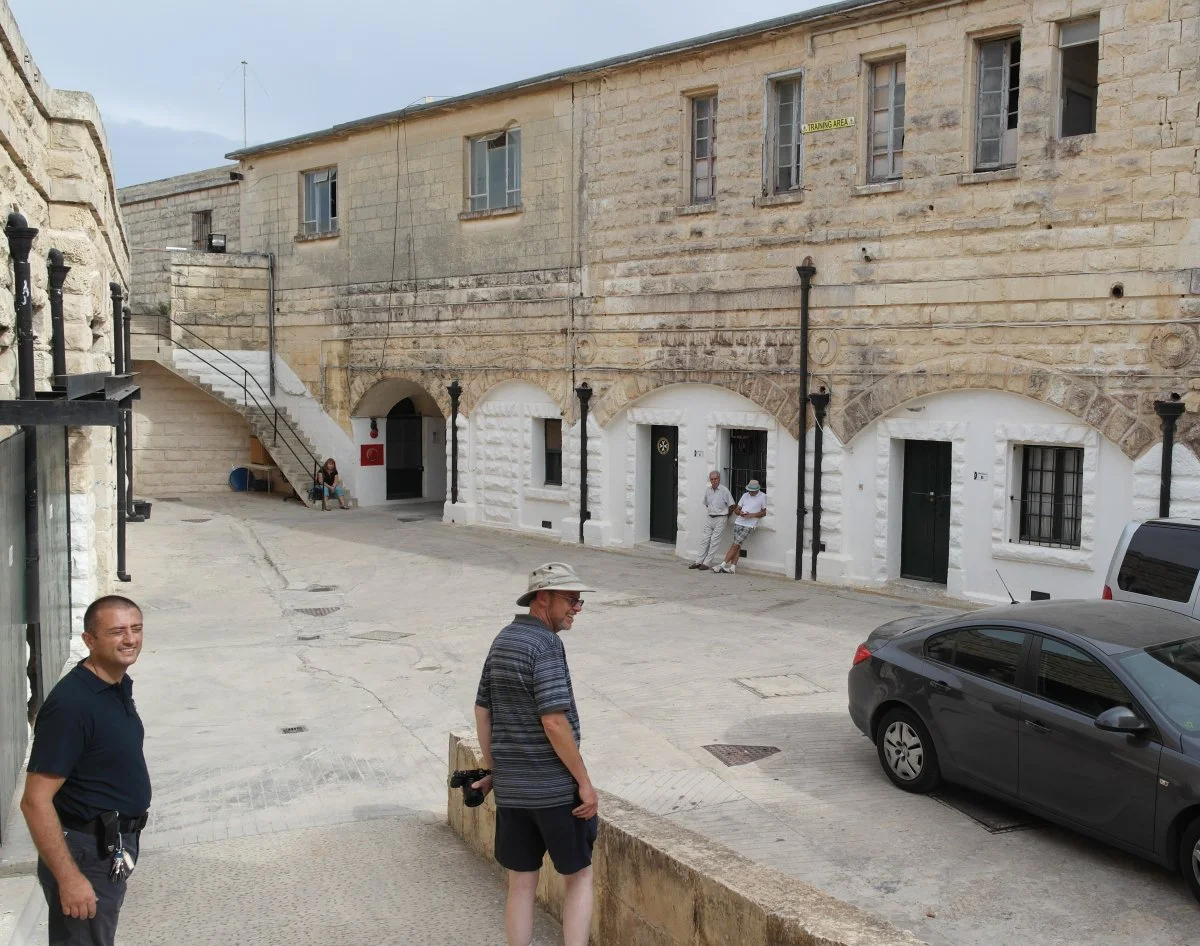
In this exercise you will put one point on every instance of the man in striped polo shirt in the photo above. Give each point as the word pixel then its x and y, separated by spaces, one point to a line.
pixel 529 733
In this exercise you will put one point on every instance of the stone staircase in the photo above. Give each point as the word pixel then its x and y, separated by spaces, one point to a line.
pixel 234 384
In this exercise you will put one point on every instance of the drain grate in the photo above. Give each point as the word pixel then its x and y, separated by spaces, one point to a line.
pixel 308 637
pixel 317 612
pixel 409 518
pixel 171 499
pixel 380 635
pixel 291 730
pixel 993 816
pixel 195 520
pixel 321 588
pixel 740 755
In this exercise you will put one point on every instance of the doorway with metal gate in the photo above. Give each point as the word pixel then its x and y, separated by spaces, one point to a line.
pixel 664 483
pixel 925 528
pixel 405 466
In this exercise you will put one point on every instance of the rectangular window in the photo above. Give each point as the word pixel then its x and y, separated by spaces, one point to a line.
pixel 201 228
pixel 496 170
pixel 553 440
pixel 1079 53
pixel 1071 678
pixel 704 149
pixel 988 652
pixel 747 460
pixel 1161 561
pixel 996 104
pixel 1051 496
pixel 886 132
pixel 320 201
pixel 785 135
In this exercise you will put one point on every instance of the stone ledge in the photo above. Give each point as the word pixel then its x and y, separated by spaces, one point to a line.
pixel 688 210
pixel 1043 555
pixel 880 187
pixel 659 883
pixel 491 212
pixel 986 177
pixel 779 200
pixel 317 237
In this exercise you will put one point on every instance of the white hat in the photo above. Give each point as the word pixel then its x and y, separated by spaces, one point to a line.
pixel 553 576
pixel 753 486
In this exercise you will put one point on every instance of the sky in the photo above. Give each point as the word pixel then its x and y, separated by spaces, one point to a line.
pixel 168 79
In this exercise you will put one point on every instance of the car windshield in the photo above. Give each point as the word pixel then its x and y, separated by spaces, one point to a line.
pixel 1170 675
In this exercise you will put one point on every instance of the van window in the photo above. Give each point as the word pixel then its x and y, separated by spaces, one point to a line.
pixel 1162 562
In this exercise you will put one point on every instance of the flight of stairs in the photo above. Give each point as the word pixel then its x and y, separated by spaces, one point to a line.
pixel 285 440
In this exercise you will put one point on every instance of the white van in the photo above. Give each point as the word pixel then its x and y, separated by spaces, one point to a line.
pixel 1158 563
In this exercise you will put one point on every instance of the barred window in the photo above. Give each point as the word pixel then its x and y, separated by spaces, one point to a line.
pixel 201 228
pixel 1051 496
pixel 747 460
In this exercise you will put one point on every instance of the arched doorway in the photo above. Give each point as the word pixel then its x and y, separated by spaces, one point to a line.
pixel 405 465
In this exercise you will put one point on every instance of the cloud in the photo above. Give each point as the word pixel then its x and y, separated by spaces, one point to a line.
pixel 144 152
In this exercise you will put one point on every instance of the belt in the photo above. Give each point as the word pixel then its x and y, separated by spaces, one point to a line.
pixel 718 515
pixel 124 825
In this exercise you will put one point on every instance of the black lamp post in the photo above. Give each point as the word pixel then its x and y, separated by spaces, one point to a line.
pixel 454 389
pixel 584 393
pixel 820 402
pixel 118 366
pixel 1170 411
pixel 58 275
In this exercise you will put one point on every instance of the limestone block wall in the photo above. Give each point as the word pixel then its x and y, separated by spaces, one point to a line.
pixel 186 440
pixel 56 170
pixel 159 214
pixel 220 297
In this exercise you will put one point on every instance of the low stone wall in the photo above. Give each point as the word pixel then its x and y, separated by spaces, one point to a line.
pixel 661 885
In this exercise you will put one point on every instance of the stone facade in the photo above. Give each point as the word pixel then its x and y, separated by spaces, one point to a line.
pixel 175 212
pixel 56 170
pixel 1064 286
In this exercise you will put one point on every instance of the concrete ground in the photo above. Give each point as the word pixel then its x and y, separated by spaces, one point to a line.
pixel 369 627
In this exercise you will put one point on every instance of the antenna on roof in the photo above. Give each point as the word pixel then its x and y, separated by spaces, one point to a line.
pixel 1003 582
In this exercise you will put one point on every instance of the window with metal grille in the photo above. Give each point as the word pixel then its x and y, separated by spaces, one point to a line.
pixel 785 134
pixel 201 228
pixel 704 149
pixel 747 460
pixel 552 431
pixel 996 104
pixel 320 201
pixel 1079 57
pixel 496 170
pixel 886 134
pixel 1051 496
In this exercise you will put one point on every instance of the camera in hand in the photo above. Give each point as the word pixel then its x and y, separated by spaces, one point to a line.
pixel 464 779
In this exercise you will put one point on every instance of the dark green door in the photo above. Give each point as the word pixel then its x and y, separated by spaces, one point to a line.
pixel 925 535
pixel 404 466
pixel 664 482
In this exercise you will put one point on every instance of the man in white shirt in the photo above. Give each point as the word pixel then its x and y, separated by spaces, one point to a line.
pixel 717 502
pixel 750 508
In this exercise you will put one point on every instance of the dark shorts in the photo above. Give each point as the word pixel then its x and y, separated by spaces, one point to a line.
pixel 524 835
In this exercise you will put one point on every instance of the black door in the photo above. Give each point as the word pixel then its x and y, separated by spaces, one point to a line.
pixel 925 535
pixel 404 467
pixel 1102 781
pixel 664 482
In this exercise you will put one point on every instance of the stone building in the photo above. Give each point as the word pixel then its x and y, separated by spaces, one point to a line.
pixel 1000 204
pixel 55 169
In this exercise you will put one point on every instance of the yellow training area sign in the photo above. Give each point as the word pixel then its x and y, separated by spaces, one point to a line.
pixel 828 125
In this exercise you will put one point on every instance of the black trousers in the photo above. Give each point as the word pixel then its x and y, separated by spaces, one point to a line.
pixel 101 930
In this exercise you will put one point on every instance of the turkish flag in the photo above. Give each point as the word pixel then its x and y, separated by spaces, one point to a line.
pixel 372 454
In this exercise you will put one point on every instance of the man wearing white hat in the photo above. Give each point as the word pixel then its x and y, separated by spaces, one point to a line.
pixel 529 734
pixel 750 508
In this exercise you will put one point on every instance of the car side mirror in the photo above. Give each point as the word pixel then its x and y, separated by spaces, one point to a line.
pixel 1121 719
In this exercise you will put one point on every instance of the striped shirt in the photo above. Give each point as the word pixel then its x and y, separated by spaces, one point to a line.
pixel 524 678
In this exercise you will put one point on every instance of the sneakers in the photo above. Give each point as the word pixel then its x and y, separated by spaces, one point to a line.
pixel 730 569
pixel 724 569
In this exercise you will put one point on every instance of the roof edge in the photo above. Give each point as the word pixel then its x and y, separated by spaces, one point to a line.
pixel 574 73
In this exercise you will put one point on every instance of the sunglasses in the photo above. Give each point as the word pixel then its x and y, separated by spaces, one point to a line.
pixel 574 601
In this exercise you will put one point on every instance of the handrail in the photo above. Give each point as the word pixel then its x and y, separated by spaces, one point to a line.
pixel 246 393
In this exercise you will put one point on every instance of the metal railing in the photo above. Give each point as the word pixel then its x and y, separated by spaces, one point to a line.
pixel 736 478
pixel 248 397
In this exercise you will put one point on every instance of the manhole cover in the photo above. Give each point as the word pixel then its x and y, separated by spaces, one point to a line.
pixel 380 635
pixel 317 612
pixel 196 520
pixel 993 816
pixel 787 684
pixel 289 730
pixel 740 755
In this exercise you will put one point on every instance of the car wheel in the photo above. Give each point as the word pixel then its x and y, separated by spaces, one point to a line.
pixel 1189 857
pixel 906 752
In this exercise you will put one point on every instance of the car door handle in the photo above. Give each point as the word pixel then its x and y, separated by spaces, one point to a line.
pixel 1036 726
pixel 941 686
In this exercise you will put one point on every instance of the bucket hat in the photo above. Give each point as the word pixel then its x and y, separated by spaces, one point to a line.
pixel 553 576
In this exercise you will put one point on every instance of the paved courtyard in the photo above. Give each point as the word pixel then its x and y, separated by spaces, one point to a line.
pixel 368 627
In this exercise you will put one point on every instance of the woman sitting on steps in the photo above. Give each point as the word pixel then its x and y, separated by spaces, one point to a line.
pixel 329 483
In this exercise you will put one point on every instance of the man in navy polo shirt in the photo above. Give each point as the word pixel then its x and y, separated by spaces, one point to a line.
pixel 88 789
